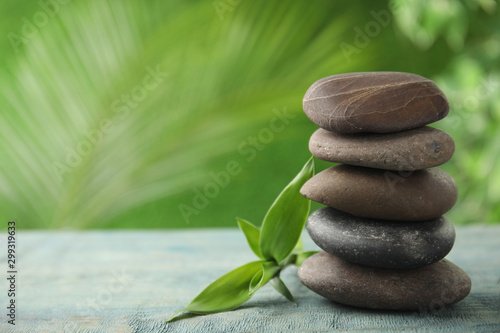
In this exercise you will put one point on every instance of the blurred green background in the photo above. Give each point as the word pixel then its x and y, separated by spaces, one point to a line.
pixel 118 114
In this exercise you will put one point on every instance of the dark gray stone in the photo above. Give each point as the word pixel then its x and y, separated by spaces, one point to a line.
pixel 374 193
pixel 379 102
pixel 379 243
pixel 415 149
pixel 425 288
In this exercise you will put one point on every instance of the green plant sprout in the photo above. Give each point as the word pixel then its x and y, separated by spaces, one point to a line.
pixel 277 244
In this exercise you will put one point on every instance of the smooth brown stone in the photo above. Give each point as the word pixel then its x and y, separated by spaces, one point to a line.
pixel 415 149
pixel 379 102
pixel 433 286
pixel 381 194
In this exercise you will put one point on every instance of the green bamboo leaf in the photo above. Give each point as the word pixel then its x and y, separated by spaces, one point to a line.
pixel 284 222
pixel 300 245
pixel 280 287
pixel 252 233
pixel 269 270
pixel 301 257
pixel 227 292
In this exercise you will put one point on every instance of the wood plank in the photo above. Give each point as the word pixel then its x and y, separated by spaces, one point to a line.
pixel 132 281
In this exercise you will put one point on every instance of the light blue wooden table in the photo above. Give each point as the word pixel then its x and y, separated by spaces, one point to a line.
pixel 132 281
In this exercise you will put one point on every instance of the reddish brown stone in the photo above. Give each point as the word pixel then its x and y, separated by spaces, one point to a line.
pixel 430 287
pixel 415 149
pixel 380 102
pixel 381 194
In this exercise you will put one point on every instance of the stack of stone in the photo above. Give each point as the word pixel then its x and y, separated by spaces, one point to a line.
pixel 383 233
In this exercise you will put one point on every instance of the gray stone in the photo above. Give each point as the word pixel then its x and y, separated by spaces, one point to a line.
pixel 379 102
pixel 379 243
pixel 425 288
pixel 374 193
pixel 415 149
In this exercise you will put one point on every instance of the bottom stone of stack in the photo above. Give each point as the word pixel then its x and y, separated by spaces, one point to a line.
pixel 434 286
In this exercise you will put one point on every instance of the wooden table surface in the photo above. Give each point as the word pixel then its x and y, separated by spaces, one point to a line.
pixel 132 281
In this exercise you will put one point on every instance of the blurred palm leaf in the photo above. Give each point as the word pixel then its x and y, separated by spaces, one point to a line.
pixel 223 76
pixel 227 71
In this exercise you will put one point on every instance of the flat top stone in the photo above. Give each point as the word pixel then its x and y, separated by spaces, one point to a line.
pixel 374 193
pixel 380 243
pixel 380 102
pixel 414 149
pixel 437 285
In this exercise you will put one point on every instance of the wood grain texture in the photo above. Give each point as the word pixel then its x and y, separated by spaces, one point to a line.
pixel 132 281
